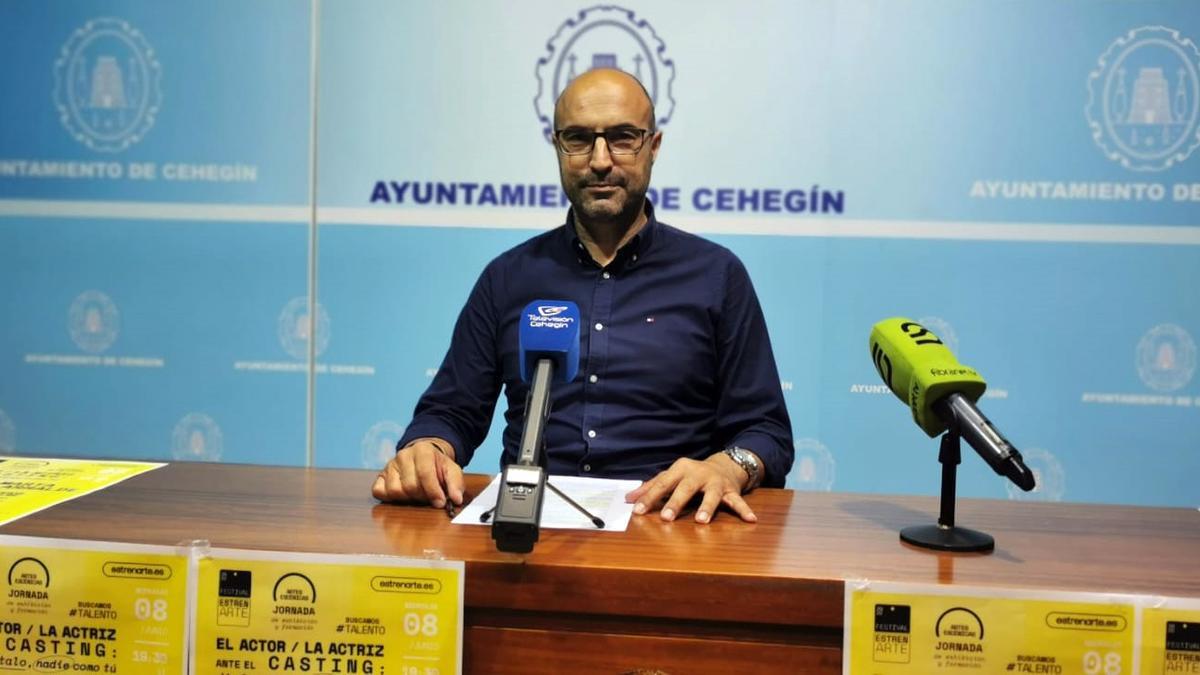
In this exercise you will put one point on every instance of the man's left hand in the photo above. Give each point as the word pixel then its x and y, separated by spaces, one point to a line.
pixel 718 478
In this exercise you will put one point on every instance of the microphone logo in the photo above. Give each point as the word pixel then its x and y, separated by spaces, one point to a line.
pixel 550 316
pixel 882 363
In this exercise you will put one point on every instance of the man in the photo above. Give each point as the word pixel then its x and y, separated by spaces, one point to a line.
pixel 677 382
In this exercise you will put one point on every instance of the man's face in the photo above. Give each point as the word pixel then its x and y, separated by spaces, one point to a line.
pixel 604 187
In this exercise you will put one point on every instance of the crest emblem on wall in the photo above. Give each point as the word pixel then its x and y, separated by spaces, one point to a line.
pixel 94 321
pixel 379 444
pixel 1143 104
pixel 295 325
pixel 106 85
pixel 814 467
pixel 197 438
pixel 1166 357
pixel 604 36
pixel 1049 474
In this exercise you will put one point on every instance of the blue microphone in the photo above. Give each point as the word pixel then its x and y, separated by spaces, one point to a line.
pixel 550 330
pixel 549 352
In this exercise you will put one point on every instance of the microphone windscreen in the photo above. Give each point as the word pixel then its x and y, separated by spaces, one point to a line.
pixel 549 329
pixel 920 370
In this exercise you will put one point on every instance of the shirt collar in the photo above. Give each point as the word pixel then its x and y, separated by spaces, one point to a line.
pixel 628 254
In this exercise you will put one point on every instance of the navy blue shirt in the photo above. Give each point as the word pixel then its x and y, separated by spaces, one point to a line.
pixel 674 358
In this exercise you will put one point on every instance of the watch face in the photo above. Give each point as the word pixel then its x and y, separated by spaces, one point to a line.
pixel 747 461
pixel 745 457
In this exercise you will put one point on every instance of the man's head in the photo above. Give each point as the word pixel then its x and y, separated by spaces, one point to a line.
pixel 605 187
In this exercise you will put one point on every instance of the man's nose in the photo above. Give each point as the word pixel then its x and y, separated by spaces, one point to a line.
pixel 600 161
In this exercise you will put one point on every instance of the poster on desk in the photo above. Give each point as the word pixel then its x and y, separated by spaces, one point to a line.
pixel 895 629
pixel 1171 637
pixel 30 484
pixel 260 611
pixel 74 606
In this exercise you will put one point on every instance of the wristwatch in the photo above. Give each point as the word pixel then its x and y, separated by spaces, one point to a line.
pixel 749 463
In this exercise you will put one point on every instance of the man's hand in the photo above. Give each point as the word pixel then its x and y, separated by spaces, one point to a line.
pixel 422 472
pixel 718 478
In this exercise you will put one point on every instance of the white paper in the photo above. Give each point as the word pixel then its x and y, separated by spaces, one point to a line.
pixel 602 497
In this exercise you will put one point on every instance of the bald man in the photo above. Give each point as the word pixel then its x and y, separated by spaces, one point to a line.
pixel 678 385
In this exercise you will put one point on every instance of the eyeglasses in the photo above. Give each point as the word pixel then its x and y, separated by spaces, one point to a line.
pixel 619 140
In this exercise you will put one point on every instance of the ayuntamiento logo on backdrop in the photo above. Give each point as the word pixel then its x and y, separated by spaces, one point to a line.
pixel 607 36
pixel 604 36
pixel 1143 104
pixel 379 443
pixel 814 467
pixel 106 85
pixel 197 438
pixel 1049 474
pixel 93 321
pixel 295 324
pixel 1143 112
pixel 1166 358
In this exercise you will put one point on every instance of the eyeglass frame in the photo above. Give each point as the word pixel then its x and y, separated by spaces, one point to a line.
pixel 602 134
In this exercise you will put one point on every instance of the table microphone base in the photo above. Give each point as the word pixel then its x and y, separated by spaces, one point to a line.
pixel 945 536
pixel 938 538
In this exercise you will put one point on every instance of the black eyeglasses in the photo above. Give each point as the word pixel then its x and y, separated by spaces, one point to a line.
pixel 618 140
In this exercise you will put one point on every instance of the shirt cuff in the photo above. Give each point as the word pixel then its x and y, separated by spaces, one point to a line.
pixel 435 429
pixel 775 459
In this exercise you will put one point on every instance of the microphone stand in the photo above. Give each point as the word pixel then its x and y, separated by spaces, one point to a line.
pixel 945 536
pixel 596 520
pixel 517 516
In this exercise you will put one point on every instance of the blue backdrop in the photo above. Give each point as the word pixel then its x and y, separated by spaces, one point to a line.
pixel 188 193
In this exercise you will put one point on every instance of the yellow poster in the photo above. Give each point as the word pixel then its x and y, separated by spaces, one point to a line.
pixel 1171 638
pixel 30 484
pixel 918 629
pixel 263 612
pixel 92 607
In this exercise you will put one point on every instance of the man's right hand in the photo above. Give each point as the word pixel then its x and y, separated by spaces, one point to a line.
pixel 422 472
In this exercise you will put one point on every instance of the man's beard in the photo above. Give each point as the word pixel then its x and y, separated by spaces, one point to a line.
pixel 608 208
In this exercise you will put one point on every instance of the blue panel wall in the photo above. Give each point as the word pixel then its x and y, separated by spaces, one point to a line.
pixel 1020 176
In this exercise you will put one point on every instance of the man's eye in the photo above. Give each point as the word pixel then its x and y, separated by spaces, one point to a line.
pixel 574 137
pixel 624 138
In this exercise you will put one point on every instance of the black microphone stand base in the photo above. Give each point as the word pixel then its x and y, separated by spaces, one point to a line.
pixel 957 539
pixel 945 536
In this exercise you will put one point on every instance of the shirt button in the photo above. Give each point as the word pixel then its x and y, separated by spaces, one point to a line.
pixel 634 257
pixel 599 326
pixel 591 433
pixel 606 275
pixel 587 467
pixel 593 379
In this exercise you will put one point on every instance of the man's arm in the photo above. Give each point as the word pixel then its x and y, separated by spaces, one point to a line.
pixel 751 411
pixel 452 417
pixel 751 414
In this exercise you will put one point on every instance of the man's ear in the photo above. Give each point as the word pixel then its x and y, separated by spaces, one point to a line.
pixel 655 142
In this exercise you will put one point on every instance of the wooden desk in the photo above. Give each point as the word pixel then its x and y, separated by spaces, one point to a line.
pixel 728 597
